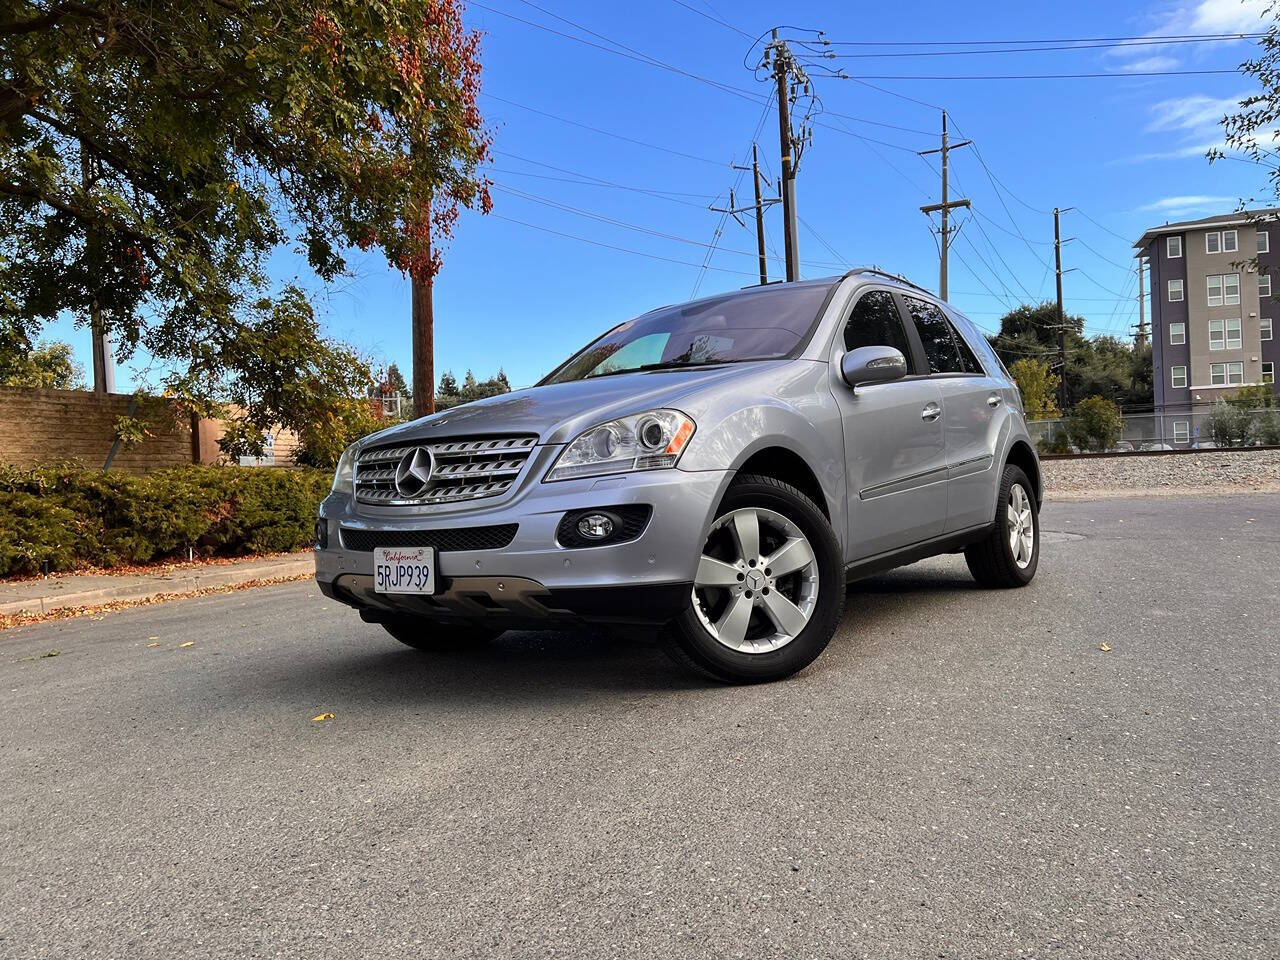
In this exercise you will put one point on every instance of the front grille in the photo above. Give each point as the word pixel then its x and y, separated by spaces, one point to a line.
pixel 462 469
pixel 462 538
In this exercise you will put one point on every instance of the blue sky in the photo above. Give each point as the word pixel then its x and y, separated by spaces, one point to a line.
pixel 1127 151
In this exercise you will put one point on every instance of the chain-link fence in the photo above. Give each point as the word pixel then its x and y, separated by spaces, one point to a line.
pixel 1206 427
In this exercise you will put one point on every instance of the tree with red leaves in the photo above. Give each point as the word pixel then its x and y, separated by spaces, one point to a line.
pixel 155 153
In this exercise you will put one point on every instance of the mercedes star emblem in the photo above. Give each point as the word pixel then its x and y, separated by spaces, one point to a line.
pixel 413 473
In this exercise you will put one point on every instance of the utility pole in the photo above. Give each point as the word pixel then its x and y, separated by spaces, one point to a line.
pixel 424 375
pixel 1062 326
pixel 783 66
pixel 1141 339
pixel 104 371
pixel 755 175
pixel 734 210
pixel 946 206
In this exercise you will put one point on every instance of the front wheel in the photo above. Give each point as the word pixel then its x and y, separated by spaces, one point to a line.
pixel 769 590
pixel 1009 555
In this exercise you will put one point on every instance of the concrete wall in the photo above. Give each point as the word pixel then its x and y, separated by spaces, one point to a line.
pixel 43 425
pixel 37 426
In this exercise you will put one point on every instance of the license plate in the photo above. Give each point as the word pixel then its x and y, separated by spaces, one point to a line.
pixel 404 570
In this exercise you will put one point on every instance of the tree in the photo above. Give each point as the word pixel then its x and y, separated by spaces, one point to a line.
pixel 153 155
pixel 449 394
pixel 1249 130
pixel 1039 388
pixel 48 365
pixel 1229 425
pixel 1095 424
pixel 397 385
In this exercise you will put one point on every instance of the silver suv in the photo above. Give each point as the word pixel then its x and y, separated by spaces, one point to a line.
pixel 719 469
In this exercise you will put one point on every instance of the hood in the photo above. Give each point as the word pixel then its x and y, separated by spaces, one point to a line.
pixel 559 412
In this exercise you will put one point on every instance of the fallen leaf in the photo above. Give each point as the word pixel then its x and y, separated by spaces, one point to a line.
pixel 51 653
pixel 189 643
pixel 322 718
pixel 153 644
pixel 1104 648
pixel 153 638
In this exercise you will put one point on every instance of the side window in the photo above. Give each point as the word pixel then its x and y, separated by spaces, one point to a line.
pixel 875 322
pixel 968 360
pixel 935 334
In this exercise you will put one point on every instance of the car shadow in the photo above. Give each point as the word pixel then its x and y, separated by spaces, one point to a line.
pixel 363 664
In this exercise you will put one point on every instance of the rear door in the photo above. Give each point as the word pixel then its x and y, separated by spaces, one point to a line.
pixel 894 451
pixel 970 405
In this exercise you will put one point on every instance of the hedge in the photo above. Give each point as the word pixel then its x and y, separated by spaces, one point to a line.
pixel 67 517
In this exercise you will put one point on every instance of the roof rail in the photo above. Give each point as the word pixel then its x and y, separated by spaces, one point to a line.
pixel 886 274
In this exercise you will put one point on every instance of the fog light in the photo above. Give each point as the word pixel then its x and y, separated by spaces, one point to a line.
pixel 322 534
pixel 595 526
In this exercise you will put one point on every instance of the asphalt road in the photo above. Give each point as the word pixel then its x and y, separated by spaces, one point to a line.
pixel 963 774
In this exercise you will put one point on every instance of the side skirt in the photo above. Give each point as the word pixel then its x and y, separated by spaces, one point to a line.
pixel 947 543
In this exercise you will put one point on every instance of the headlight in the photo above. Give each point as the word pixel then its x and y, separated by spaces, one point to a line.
pixel 647 441
pixel 344 476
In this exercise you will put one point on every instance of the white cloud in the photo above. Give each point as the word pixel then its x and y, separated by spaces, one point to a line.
pixel 1149 64
pixel 1226 16
pixel 1196 114
pixel 1187 204
pixel 1185 19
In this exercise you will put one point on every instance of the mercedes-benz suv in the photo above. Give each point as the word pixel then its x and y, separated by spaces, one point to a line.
pixel 717 469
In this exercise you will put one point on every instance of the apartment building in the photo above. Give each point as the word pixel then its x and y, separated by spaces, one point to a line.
pixel 1213 312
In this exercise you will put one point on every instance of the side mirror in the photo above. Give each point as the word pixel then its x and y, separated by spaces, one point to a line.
pixel 872 365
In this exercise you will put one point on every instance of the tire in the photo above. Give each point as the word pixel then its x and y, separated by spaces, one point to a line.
pixel 774 643
pixel 431 636
pixel 991 560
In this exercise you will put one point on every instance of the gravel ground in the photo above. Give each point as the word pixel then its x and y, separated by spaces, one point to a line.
pixel 1202 473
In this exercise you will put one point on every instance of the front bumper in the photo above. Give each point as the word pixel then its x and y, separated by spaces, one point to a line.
pixel 534 579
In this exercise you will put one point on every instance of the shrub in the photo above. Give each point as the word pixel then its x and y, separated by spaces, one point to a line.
pixel 1229 425
pixel 1095 424
pixel 69 517
pixel 1266 428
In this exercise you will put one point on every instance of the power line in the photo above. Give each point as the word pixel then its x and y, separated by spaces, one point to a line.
pixel 975 43
pixel 610 246
pixel 1037 76
pixel 714 18
pixel 1066 46
pixel 606 133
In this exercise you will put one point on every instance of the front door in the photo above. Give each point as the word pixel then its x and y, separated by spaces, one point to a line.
pixel 970 404
pixel 895 454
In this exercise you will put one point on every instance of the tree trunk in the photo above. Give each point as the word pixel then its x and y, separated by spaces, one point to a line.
pixel 424 388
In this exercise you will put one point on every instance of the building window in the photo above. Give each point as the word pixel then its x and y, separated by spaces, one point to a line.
pixel 1229 241
pixel 1178 377
pixel 1264 328
pixel 1217 338
pixel 1264 285
pixel 1264 242
pixel 1173 248
pixel 1231 289
pixel 1213 243
pixel 1214 286
pixel 1233 333
pixel 1181 431
pixel 1226 374
pixel 1177 333
pixel 1175 291
pixel 1269 372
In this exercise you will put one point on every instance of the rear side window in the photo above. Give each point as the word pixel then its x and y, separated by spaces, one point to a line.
pixel 967 358
pixel 875 322
pixel 935 333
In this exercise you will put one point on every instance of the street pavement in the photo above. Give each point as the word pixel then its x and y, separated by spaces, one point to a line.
pixel 964 773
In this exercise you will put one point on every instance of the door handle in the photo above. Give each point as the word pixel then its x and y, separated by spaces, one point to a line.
pixel 995 400
pixel 931 412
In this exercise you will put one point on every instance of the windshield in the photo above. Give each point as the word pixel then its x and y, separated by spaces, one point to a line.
pixel 762 324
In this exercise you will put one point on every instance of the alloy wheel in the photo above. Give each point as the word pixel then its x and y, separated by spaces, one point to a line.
pixel 1022 526
pixel 757 581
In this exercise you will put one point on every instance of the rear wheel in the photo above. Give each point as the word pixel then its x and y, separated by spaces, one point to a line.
pixel 1009 555
pixel 431 635
pixel 769 590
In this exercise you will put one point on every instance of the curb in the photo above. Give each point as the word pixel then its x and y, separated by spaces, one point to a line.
pixel 227 576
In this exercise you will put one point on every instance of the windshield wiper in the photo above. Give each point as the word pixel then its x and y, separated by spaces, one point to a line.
pixel 664 365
